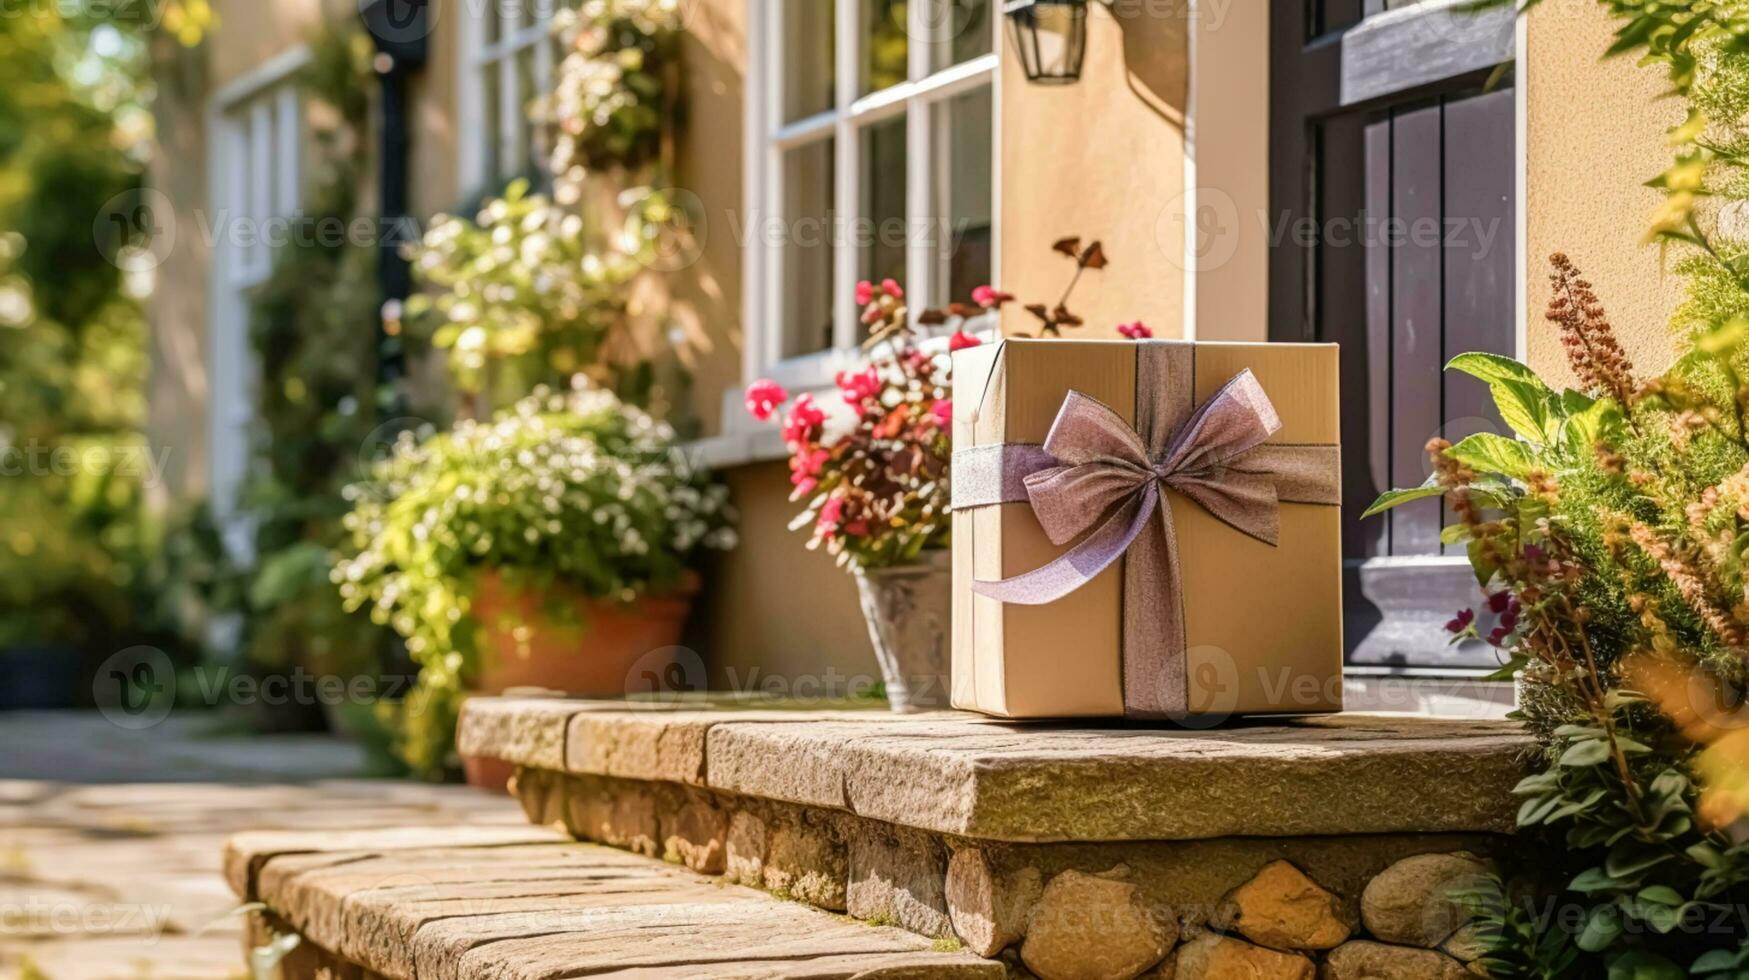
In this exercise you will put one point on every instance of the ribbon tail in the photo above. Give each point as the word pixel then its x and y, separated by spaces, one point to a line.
pixel 1080 564
pixel 1155 675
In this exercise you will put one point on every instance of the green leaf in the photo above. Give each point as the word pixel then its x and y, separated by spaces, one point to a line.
pixel 1661 895
pixel 1584 429
pixel 1628 858
pixel 1592 880
pixel 1637 964
pixel 1589 752
pixel 1534 810
pixel 1395 498
pixel 1454 534
pixel 1525 402
pixel 1705 855
pixel 1489 453
pixel 1527 409
pixel 1602 927
pixel 1714 960
pixel 1494 368
pixel 1481 563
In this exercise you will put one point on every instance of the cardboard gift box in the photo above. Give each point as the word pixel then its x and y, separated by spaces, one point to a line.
pixel 1147 529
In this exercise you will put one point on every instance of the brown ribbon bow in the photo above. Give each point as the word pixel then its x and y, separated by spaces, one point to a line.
pixel 1096 480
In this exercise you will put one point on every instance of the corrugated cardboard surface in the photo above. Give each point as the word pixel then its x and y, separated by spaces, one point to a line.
pixel 1263 623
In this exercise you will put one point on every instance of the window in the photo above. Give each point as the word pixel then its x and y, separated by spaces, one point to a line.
pixel 871 130
pixel 257 170
pixel 507 56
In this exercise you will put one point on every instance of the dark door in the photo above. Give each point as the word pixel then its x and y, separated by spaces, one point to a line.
pixel 1392 186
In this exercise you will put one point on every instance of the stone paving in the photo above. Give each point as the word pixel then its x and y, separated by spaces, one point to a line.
pixel 111 841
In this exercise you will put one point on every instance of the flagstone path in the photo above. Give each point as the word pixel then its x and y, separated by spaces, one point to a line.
pixel 111 841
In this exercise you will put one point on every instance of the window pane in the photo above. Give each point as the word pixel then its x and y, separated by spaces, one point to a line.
pixel 880 233
pixel 957 31
pixel 808 67
pixel 807 248
pixel 885 49
pixel 526 93
pixel 490 135
pixel 960 191
pixel 489 21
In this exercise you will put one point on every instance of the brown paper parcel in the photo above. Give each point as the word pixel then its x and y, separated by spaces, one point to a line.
pixel 1261 626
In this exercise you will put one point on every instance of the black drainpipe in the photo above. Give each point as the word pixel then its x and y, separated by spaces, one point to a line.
pixel 399 29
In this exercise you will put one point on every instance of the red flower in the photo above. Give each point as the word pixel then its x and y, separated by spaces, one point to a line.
pixel 763 397
pixel 891 288
pixel 859 387
pixel 1135 331
pixel 943 411
pixel 864 293
pixel 804 421
pixel 989 297
pixel 1498 602
pixel 961 340
pixel 1461 621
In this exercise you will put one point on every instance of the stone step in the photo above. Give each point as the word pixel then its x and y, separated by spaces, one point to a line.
pixel 991 779
pixel 1295 848
pixel 450 904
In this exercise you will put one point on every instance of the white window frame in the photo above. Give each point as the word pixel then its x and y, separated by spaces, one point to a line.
pixel 767 137
pixel 523 25
pixel 256 117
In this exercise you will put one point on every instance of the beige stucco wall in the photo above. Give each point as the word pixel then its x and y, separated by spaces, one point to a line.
pixel 1229 257
pixel 1103 158
pixel 1595 132
pixel 772 608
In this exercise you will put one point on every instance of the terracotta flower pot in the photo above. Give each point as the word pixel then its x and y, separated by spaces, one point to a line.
pixel 910 613
pixel 606 650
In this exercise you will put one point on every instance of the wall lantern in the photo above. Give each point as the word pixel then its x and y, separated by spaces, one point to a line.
pixel 1051 36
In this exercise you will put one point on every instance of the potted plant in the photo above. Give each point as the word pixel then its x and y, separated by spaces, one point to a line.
pixel 873 474
pixel 551 547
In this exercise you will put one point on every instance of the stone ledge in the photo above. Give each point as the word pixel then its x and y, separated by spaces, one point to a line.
pixel 990 779
pixel 545 906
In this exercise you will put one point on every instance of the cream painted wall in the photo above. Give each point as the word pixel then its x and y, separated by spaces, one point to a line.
pixel 1595 133
pixel 1103 158
pixel 772 608
pixel 1229 257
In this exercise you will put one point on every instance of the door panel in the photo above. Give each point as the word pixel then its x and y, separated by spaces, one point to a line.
pixel 1417 317
pixel 1411 261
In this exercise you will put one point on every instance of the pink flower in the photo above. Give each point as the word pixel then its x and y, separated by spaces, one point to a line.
pixel 943 411
pixel 961 340
pixel 989 297
pixel 1135 331
pixel 864 293
pixel 804 470
pixel 763 397
pixel 803 422
pixel 891 288
pixel 859 387
pixel 831 515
